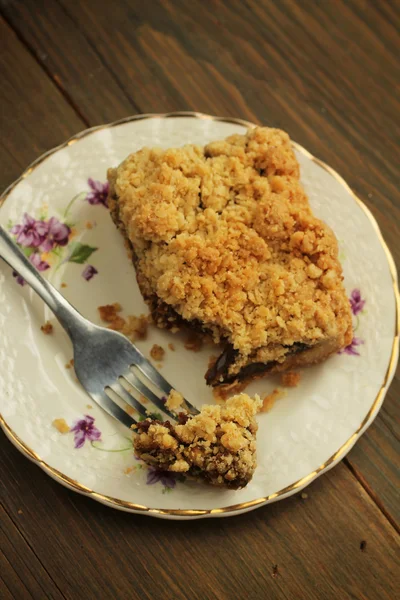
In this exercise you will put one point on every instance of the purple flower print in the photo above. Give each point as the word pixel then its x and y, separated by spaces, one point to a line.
pixel 84 429
pixel 88 272
pixel 351 348
pixel 156 475
pixel 30 233
pixel 37 262
pixel 356 302
pixel 20 280
pixel 56 235
pixel 98 193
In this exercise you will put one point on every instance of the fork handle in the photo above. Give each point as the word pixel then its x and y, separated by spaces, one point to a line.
pixel 75 325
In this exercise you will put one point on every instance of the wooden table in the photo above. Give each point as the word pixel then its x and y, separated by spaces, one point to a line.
pixel 327 71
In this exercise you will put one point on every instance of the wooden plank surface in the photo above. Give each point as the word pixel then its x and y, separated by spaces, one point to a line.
pixel 75 64
pixel 296 548
pixel 319 70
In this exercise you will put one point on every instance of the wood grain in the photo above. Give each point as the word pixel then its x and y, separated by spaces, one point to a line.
pixel 318 70
pixel 22 574
pixel 328 73
pixel 315 543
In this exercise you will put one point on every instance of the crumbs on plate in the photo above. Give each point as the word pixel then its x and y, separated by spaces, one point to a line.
pixel 174 400
pixel 133 327
pixel 47 328
pixel 157 352
pixel 61 425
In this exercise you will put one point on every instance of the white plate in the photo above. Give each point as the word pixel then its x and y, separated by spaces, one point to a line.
pixel 304 434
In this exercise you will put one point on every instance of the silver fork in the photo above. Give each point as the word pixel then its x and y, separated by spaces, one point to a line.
pixel 107 364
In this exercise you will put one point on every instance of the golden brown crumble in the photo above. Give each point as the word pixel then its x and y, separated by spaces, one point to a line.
pixel 224 237
pixel 171 347
pixel 218 445
pixel 61 425
pixel 47 328
pixel 108 313
pixel 174 400
pixel 157 352
pixel 133 327
pixel 290 379
pixel 64 285
pixel 270 399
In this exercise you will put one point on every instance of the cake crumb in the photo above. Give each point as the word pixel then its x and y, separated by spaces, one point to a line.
pixel 19 511
pixel 129 409
pixel 270 399
pixel 136 327
pixel 63 285
pixel 89 225
pixel 159 365
pixel 157 352
pixel 290 379
pixel 129 470
pixel 70 364
pixel 117 324
pixel 89 406
pixel 171 347
pixel 61 425
pixel 174 400
pixel 363 545
pixel 304 495
pixel 108 312
pixel 143 399
pixel 275 571
pixel 194 343
pixel 47 328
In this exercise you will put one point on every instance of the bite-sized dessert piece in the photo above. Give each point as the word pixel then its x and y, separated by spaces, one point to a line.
pixel 217 446
pixel 224 242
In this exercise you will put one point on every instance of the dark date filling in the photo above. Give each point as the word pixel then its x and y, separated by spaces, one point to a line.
pixel 227 358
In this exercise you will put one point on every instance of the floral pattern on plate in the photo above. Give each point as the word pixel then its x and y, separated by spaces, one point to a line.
pixel 47 242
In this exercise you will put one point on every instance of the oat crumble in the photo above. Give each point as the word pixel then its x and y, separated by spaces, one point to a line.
pixel 174 400
pixel 224 241
pixel 217 446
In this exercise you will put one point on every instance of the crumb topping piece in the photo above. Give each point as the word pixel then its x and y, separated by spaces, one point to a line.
pixel 61 425
pixel 135 328
pixel 157 352
pixel 174 400
pixel 218 445
pixel 47 328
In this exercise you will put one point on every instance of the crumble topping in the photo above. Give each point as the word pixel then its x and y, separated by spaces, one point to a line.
pixel 174 400
pixel 218 445
pixel 226 238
